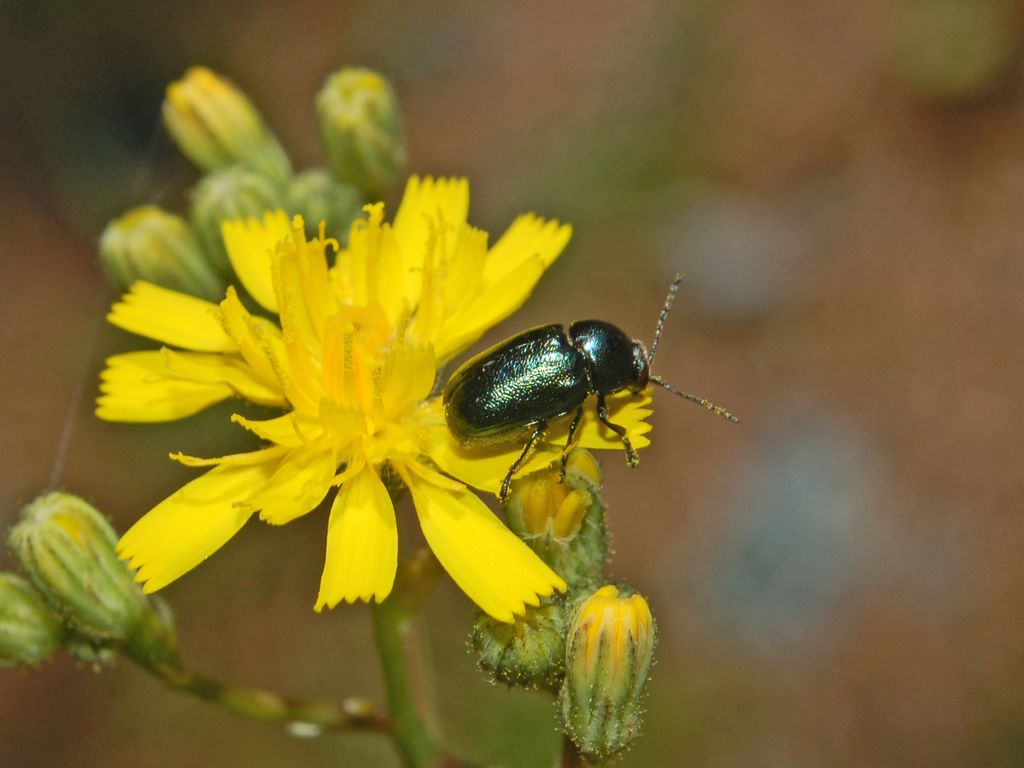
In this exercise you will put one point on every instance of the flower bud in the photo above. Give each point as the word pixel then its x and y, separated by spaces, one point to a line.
pixel 529 652
pixel 320 198
pixel 563 522
pixel 30 633
pixel 91 653
pixel 234 192
pixel 608 656
pixel 67 549
pixel 358 121
pixel 148 243
pixel 954 50
pixel 214 124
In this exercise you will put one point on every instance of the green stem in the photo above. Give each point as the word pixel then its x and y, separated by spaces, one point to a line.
pixel 392 622
pixel 302 717
pixel 417 748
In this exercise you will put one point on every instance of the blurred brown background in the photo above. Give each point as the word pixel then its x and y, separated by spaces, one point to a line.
pixel 838 581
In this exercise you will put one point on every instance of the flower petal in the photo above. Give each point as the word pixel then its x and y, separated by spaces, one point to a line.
pixel 427 204
pixel 259 456
pixel 488 308
pixel 528 236
pixel 407 378
pixel 362 543
pixel 249 243
pixel 371 271
pixel 204 368
pixel 297 486
pixel 305 268
pixel 190 525
pixel 626 409
pixel 493 567
pixel 261 345
pixel 290 430
pixel 171 317
pixel 137 387
pixel 423 201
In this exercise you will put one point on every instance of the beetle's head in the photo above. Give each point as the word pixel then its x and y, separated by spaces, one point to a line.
pixel 641 373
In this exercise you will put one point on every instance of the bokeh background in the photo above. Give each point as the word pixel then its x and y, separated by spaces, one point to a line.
pixel 838 580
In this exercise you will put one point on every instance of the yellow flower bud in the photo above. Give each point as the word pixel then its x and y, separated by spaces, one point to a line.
pixel 30 633
pixel 234 192
pixel 148 243
pixel 360 129
pixel 563 522
pixel 609 650
pixel 214 124
pixel 66 548
pixel 319 197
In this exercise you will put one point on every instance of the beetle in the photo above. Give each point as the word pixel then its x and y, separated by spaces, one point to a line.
pixel 519 386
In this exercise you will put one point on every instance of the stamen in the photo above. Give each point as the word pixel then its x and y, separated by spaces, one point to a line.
pixel 425 310
pixel 348 363
pixel 375 213
pixel 377 382
pixel 402 325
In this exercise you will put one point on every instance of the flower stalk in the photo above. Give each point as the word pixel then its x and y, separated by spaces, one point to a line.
pixel 392 620
pixel 301 717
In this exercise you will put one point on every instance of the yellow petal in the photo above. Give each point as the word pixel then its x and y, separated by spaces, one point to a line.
pixel 190 525
pixel 247 332
pixel 137 387
pixel 310 260
pixel 206 368
pixel 510 272
pixel 372 270
pixel 528 237
pixel 260 456
pixel 489 307
pixel 263 348
pixel 345 425
pixel 297 486
pixel 249 243
pixel 493 567
pixel 362 543
pixel 290 430
pixel 625 409
pixel 408 378
pixel 171 317
pixel 427 198
pixel 464 270
pixel 425 202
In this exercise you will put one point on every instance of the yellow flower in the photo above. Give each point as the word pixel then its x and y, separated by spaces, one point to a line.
pixel 352 360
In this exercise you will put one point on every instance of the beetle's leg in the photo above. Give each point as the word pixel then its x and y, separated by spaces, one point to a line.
pixel 538 432
pixel 568 443
pixel 602 416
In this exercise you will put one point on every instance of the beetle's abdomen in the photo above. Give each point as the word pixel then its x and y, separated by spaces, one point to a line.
pixel 533 377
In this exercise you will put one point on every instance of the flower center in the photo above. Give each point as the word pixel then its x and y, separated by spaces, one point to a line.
pixel 371 378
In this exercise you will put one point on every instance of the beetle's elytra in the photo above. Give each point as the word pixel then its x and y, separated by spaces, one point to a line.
pixel 518 387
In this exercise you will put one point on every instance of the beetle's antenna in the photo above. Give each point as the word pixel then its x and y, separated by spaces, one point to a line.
pixel 702 402
pixel 673 289
pixel 707 404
